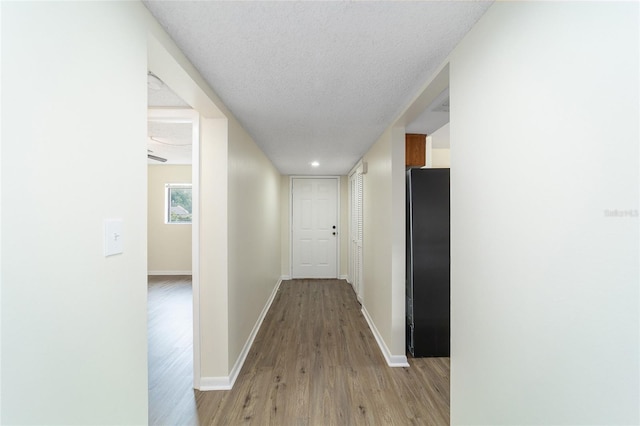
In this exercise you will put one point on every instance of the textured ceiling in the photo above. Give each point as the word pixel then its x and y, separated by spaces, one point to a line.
pixel 167 139
pixel 159 95
pixel 316 80
pixel 171 141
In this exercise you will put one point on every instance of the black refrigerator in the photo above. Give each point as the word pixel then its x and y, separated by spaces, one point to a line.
pixel 428 263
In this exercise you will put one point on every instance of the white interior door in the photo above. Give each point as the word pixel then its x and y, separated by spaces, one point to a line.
pixel 314 227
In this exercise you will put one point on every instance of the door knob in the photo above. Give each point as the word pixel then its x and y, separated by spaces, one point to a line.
pixel 334 233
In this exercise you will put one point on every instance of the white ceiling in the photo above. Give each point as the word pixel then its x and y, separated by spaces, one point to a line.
pixel 171 141
pixel 167 139
pixel 159 95
pixel 316 80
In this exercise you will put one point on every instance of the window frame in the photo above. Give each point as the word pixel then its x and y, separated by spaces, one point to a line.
pixel 167 202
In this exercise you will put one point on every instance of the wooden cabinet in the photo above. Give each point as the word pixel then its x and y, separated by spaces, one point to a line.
pixel 415 149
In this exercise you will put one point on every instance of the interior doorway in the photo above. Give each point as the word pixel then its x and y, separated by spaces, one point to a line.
pixel 173 163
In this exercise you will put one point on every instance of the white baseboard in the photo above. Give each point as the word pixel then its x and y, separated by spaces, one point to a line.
pixel 285 277
pixel 247 346
pixel 392 360
pixel 215 383
pixel 226 383
pixel 169 273
pixel 344 277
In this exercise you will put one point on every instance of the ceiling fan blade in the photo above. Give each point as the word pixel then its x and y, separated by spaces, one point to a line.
pixel 155 157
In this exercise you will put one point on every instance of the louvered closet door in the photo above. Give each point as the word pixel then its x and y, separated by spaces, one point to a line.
pixel 356 231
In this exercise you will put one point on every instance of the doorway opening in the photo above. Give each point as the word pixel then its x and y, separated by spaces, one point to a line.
pixel 173 248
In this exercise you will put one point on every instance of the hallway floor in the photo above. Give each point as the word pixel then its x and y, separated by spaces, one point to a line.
pixel 313 362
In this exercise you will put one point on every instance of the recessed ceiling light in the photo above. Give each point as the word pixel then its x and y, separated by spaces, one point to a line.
pixel 315 164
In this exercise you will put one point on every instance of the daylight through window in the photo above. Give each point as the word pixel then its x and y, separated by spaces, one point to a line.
pixel 178 207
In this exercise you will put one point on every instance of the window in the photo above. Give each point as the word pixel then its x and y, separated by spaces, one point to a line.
pixel 178 207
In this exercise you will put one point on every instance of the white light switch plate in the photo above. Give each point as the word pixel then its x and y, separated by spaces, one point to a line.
pixel 112 237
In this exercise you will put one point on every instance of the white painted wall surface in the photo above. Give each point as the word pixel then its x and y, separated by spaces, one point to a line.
pixel 441 153
pixel 76 355
pixel 545 300
pixel 440 139
pixel 254 235
pixel 383 242
pixel 214 236
pixel 441 158
pixel 377 235
pixel 168 245
pixel 74 345
pixel 398 248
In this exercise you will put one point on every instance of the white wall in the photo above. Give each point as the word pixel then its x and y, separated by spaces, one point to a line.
pixel 441 153
pixel 59 292
pixel 545 300
pixel 254 235
pixel 376 197
pixel 213 270
pixel 440 139
pixel 441 158
pixel 168 245
pixel 74 345
pixel 384 243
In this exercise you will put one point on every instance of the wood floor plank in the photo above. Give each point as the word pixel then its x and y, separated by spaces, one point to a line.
pixel 314 362
pixel 170 349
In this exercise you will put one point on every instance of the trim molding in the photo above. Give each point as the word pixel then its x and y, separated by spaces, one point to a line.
pixel 285 277
pixel 169 273
pixel 392 360
pixel 215 383
pixel 344 277
pixel 227 382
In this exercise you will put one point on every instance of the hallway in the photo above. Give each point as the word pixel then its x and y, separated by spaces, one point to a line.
pixel 314 362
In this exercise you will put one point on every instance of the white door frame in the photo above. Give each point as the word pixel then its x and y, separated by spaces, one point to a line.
pixel 165 115
pixel 339 232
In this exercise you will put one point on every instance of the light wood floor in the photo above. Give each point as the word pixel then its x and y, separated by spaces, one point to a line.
pixel 170 334
pixel 314 362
